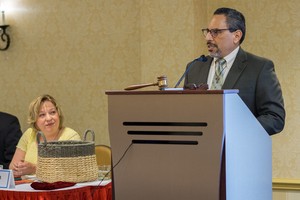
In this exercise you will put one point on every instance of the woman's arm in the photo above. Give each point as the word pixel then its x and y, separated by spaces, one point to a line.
pixel 19 166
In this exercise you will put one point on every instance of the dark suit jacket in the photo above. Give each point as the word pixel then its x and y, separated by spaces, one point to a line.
pixel 10 134
pixel 258 87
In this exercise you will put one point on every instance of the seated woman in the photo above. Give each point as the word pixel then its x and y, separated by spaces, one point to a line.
pixel 46 116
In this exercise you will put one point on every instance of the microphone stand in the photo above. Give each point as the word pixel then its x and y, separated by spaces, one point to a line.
pixel 202 58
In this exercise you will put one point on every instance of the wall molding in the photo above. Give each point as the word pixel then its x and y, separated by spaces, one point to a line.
pixel 285 184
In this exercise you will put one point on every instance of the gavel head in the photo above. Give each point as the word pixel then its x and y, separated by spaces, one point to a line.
pixel 162 82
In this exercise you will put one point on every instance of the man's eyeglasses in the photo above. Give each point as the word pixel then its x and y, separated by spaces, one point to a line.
pixel 214 32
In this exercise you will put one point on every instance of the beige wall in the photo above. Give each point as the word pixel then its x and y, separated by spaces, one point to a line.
pixel 75 50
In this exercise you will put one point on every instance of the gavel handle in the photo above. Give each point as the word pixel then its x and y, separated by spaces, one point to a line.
pixel 134 87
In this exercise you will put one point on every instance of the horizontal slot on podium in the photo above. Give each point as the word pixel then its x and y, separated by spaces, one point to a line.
pixel 165 124
pixel 176 133
pixel 172 142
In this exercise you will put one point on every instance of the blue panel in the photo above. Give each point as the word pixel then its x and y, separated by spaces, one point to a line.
pixel 248 153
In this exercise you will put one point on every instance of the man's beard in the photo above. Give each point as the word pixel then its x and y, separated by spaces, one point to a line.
pixel 214 54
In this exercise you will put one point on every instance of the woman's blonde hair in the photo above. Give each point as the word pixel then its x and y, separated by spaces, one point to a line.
pixel 34 109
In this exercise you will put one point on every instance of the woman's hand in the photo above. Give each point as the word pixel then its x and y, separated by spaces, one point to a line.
pixel 23 168
pixel 19 166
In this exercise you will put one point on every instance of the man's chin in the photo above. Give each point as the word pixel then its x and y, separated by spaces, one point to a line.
pixel 214 54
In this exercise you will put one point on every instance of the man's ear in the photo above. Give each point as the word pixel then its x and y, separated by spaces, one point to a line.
pixel 237 36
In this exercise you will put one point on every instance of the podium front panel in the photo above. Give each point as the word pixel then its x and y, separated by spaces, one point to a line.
pixel 174 145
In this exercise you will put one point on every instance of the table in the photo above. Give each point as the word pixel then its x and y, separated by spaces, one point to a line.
pixel 86 191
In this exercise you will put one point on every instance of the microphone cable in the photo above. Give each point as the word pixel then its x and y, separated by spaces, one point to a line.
pixel 125 152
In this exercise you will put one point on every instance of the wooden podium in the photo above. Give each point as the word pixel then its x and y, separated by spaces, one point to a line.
pixel 187 145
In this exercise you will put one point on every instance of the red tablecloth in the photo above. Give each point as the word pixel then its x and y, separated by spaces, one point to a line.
pixel 82 193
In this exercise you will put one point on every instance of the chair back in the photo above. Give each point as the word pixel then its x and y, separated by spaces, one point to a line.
pixel 103 154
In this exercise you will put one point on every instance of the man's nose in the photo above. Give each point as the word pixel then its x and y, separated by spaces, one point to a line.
pixel 208 37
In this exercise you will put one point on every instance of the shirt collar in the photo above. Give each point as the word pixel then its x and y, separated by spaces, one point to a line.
pixel 230 57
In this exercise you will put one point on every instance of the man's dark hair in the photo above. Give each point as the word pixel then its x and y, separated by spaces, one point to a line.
pixel 235 20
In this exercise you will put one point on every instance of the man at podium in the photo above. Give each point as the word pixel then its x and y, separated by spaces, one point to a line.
pixel 228 66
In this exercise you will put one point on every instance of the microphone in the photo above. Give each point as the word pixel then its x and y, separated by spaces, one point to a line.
pixel 202 58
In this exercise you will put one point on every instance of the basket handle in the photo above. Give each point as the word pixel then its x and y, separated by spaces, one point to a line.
pixel 89 131
pixel 38 135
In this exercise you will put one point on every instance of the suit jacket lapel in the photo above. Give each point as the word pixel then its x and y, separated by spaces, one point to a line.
pixel 236 69
pixel 205 70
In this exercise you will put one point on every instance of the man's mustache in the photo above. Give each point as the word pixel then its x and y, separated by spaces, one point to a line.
pixel 210 44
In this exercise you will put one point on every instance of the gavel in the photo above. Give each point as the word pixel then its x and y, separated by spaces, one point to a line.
pixel 161 83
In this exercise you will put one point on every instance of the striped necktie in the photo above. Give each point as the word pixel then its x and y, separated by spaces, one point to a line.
pixel 218 79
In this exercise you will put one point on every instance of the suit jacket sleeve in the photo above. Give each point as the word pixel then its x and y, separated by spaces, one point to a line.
pixel 269 101
pixel 13 133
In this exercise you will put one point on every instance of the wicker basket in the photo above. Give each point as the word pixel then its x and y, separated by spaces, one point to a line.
pixel 71 161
